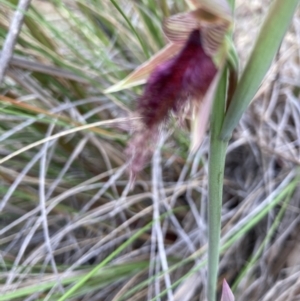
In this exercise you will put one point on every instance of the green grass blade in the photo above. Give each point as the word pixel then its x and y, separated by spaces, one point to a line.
pixel 153 26
pixel 108 275
pixel 289 185
pixel 165 8
pixel 267 239
pixel 102 264
pixel 94 271
pixel 144 47
pixel 266 46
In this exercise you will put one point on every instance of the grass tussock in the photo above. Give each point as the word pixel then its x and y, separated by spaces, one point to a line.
pixel 70 226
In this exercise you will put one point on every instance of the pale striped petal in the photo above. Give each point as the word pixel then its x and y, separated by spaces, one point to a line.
pixel 177 28
pixel 213 37
pixel 213 21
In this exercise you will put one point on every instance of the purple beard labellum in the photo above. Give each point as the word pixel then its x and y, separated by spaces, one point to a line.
pixel 171 85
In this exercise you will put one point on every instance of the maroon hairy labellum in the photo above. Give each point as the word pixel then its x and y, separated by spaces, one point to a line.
pixel 185 77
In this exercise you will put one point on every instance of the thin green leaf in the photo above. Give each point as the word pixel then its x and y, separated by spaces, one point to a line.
pixel 257 255
pixel 266 46
pixel 144 47
pixel 103 263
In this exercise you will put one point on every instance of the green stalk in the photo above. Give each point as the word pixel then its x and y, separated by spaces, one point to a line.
pixel 217 156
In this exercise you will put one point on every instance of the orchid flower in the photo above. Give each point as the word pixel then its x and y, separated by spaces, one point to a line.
pixel 185 71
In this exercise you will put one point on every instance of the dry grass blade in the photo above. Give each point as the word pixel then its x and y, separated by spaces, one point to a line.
pixel 65 199
pixel 64 133
pixel 11 39
pixel 22 63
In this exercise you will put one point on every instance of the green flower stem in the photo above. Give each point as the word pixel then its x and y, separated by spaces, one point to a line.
pixel 217 156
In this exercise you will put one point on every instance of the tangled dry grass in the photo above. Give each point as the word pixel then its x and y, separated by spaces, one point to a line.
pixel 67 207
pixel 265 148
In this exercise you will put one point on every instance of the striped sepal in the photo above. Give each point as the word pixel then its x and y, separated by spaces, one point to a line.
pixel 212 19
pixel 177 28
pixel 213 36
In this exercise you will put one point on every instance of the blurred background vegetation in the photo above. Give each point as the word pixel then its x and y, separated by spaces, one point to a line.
pixel 67 214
